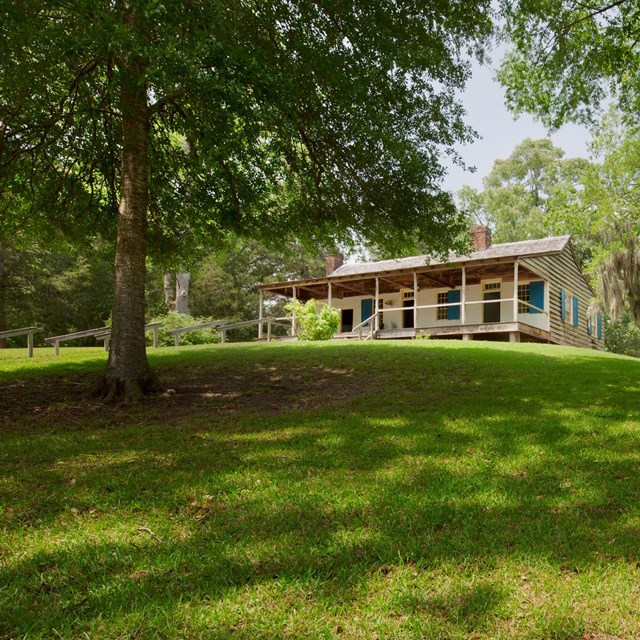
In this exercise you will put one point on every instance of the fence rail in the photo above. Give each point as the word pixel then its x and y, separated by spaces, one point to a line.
pixel 24 331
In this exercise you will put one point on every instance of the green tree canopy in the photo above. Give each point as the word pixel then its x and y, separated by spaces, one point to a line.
pixel 265 119
pixel 568 56
pixel 531 194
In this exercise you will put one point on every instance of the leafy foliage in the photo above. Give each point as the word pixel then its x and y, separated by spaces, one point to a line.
pixel 268 119
pixel 314 321
pixel 174 320
pixel 622 335
pixel 569 56
pixel 533 193
pixel 60 291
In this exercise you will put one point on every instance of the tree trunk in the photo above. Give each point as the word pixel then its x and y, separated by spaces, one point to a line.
pixel 128 375
pixel 182 293
pixel 3 297
pixel 168 291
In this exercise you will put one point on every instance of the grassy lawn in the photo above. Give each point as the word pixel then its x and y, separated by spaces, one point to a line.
pixel 417 489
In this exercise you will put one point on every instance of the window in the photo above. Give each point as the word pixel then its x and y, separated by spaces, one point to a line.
pixel 567 307
pixel 524 295
pixel 443 298
pixel 407 295
pixel 492 285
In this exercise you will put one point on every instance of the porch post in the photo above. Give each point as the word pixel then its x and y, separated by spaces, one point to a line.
pixel 376 323
pixel 415 299
pixel 463 297
pixel 293 315
pixel 515 290
pixel 260 312
pixel 329 295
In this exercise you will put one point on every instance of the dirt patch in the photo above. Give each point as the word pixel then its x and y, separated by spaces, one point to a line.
pixel 195 391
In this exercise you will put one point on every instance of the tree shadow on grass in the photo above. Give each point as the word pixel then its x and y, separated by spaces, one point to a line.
pixel 463 471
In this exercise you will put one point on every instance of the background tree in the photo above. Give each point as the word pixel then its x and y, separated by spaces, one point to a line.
pixel 299 118
pixel 612 197
pixel 567 57
pixel 534 193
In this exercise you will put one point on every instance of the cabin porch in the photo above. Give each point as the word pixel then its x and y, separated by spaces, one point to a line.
pixel 489 299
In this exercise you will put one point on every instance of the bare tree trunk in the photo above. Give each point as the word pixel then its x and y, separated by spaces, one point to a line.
pixel 182 292
pixel 168 292
pixel 3 297
pixel 128 375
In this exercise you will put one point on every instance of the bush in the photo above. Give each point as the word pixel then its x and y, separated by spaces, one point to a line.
pixel 622 336
pixel 173 320
pixel 312 324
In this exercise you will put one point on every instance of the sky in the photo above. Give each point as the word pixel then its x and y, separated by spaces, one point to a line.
pixel 486 113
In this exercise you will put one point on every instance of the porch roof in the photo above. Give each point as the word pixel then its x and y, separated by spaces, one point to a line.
pixel 433 272
pixel 505 250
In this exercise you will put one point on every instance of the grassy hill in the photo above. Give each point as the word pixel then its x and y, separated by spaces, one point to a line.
pixel 416 489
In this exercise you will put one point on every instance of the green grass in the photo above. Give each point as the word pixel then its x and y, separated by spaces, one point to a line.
pixel 373 490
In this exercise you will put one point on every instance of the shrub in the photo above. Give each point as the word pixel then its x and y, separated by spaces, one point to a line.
pixel 173 320
pixel 313 323
pixel 622 336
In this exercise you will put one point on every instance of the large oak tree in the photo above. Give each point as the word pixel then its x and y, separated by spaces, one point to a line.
pixel 197 117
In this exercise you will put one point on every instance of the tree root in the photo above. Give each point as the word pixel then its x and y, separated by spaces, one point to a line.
pixel 114 388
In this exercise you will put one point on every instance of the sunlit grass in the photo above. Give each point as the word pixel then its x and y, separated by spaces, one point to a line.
pixel 437 490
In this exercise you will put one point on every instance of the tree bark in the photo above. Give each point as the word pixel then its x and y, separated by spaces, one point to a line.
pixel 168 291
pixel 182 292
pixel 128 375
pixel 3 297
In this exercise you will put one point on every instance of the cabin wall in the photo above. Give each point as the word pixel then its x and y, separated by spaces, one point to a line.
pixel 428 317
pixel 561 271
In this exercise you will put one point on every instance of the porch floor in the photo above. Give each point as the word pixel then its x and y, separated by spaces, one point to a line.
pixel 469 331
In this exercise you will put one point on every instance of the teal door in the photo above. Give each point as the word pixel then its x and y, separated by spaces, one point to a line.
pixel 366 309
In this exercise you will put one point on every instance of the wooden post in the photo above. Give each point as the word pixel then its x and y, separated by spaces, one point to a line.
pixel 223 336
pixel 105 343
pixel 515 291
pixel 260 312
pixel 269 330
pixel 463 298
pixel 293 315
pixel 30 344
pixel 155 336
pixel 56 347
pixel 415 299
pixel 376 323
pixel 329 295
pixel 177 339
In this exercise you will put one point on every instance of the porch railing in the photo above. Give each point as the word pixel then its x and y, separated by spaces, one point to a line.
pixel 373 320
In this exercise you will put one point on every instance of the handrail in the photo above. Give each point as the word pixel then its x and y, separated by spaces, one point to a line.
pixel 366 321
pixel 24 331
pixel 103 333
pixel 87 333
pixel 223 326
pixel 151 326
pixel 195 327
pixel 533 306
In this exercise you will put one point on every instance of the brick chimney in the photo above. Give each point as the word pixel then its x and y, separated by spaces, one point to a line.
pixel 333 262
pixel 480 237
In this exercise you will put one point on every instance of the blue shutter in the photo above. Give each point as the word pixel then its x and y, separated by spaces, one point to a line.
pixel 453 313
pixel 589 325
pixel 575 310
pixel 563 312
pixel 366 309
pixel 599 327
pixel 536 295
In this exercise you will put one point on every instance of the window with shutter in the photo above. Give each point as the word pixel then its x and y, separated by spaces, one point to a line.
pixel 453 313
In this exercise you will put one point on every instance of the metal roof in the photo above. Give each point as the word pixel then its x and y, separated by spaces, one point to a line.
pixel 505 250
